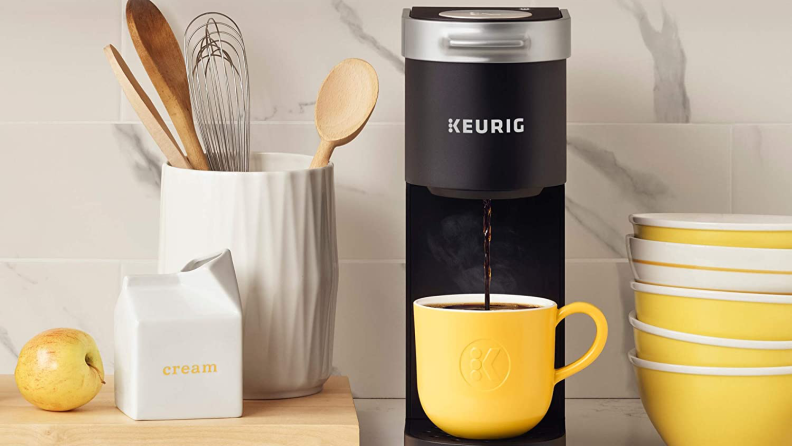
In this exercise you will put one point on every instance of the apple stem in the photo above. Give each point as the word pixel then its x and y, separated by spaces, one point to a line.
pixel 88 361
pixel 97 371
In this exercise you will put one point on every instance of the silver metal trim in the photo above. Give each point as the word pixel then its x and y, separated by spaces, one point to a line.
pixel 486 42
pixel 485 14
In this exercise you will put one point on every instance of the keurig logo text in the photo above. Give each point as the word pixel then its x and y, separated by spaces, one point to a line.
pixel 483 126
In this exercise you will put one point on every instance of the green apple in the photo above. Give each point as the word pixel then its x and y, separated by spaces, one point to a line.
pixel 60 369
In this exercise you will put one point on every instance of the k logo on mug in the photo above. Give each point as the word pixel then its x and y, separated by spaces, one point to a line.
pixel 485 364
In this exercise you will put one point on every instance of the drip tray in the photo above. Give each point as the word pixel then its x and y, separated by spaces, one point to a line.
pixel 425 433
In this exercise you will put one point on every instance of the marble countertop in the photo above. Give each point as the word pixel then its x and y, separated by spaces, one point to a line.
pixel 590 422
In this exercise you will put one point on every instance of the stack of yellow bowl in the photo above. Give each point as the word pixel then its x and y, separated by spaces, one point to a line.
pixel 713 327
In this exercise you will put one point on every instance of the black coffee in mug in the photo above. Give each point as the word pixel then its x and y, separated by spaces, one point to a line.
pixel 481 307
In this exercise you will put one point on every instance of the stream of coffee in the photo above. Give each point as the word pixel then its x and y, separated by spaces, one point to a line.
pixel 487 243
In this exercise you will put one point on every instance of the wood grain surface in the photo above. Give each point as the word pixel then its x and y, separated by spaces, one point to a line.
pixel 327 418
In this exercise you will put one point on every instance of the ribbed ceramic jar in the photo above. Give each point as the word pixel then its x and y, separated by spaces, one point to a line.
pixel 279 222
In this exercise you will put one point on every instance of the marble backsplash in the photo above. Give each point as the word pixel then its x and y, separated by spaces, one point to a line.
pixel 673 106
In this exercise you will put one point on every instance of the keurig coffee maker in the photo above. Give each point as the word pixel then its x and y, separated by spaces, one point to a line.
pixel 485 119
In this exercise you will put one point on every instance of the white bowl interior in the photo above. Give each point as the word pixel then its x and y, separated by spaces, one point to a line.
pixel 708 340
pixel 746 260
pixel 730 283
pixel 707 371
pixel 714 295
pixel 721 222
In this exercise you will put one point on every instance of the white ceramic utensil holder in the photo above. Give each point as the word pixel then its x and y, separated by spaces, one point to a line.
pixel 279 222
pixel 178 343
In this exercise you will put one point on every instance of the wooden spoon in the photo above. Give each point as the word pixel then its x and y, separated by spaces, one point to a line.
pixel 346 100
pixel 162 57
pixel 145 109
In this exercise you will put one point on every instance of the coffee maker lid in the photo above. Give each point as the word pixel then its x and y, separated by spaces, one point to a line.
pixel 486 35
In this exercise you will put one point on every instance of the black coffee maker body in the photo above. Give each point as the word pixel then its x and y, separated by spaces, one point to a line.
pixel 485 118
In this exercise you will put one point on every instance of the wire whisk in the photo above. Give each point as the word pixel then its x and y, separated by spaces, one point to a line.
pixel 217 72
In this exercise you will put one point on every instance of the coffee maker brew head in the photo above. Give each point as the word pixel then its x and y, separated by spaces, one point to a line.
pixel 485 101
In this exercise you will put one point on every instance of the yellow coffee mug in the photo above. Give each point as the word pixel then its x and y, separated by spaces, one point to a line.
pixel 489 375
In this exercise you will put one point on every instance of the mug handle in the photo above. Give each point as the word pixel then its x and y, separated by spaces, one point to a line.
pixel 596 347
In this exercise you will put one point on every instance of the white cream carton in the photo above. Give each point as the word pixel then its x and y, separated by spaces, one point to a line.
pixel 178 343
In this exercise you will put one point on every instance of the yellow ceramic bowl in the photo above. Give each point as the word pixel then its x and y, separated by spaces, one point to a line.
pixel 721 314
pixel 738 230
pixel 675 347
pixel 711 406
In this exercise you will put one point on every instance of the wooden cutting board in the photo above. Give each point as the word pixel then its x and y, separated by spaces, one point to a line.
pixel 325 419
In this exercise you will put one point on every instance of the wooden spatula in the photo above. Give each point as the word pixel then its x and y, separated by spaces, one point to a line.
pixel 162 57
pixel 145 109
